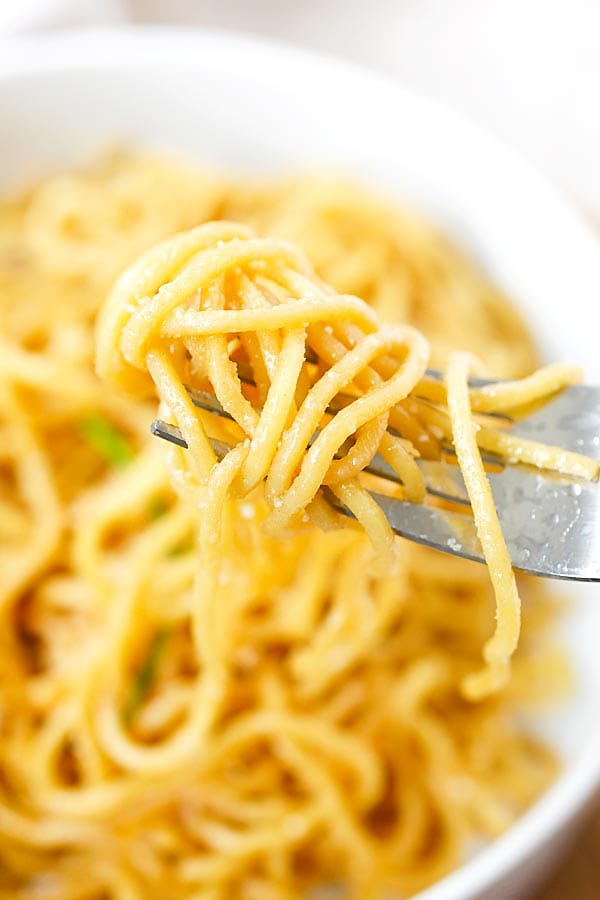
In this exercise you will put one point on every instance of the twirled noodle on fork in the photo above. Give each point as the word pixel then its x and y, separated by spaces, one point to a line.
pixel 192 307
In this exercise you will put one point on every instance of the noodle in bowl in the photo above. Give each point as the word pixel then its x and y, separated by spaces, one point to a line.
pixel 187 93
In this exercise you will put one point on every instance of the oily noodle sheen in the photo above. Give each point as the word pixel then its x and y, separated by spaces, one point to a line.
pixel 212 685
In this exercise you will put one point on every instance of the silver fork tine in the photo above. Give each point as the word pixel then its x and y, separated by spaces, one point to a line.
pixel 208 402
pixel 551 549
pixel 441 480
pixel 168 432
pixel 571 420
pixel 549 522
pixel 474 380
pixel 450 532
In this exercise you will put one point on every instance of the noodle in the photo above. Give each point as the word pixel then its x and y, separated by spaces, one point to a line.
pixel 206 290
pixel 290 715
pixel 502 645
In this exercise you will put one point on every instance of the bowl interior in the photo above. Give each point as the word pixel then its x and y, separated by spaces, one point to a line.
pixel 255 107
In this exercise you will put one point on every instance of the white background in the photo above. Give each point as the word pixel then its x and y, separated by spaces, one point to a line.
pixel 527 70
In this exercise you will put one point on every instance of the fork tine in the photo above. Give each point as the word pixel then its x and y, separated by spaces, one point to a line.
pixel 444 480
pixel 168 432
pixel 570 420
pixel 441 480
pixel 207 401
pixel 539 554
pixel 474 380
pixel 449 532
pixel 551 523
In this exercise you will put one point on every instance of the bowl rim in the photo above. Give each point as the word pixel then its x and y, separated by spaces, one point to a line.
pixel 127 46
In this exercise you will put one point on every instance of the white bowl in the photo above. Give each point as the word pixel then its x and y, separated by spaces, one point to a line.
pixel 250 104
pixel 29 15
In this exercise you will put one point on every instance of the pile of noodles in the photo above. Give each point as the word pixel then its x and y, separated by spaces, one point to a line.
pixel 311 731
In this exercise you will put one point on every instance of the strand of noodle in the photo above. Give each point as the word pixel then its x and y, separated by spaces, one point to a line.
pixel 182 742
pixel 367 440
pixel 45 832
pixel 409 700
pixel 193 323
pixel 346 422
pixel 36 486
pixel 401 460
pixel 39 371
pixel 276 410
pixel 345 749
pixel 513 394
pixel 354 610
pixel 288 829
pixel 93 517
pixel 368 512
pixel 302 600
pixel 338 815
pixel 220 370
pixel 514 448
pixel 500 647
pixel 331 349
pixel 207 613
pixel 246 294
pixel 140 281
pixel 288 455
pixel 176 398
pixel 208 263
pixel 504 396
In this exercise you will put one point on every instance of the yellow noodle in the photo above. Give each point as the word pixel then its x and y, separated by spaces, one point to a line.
pixel 191 704
pixel 502 645
pixel 298 458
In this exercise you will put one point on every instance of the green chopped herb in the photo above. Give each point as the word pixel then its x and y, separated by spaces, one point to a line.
pixel 106 440
pixel 145 676
pixel 182 547
pixel 156 508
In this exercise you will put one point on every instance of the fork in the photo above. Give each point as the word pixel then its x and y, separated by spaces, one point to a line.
pixel 550 522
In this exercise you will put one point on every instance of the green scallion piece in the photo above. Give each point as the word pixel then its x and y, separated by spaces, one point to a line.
pixel 145 676
pixel 156 508
pixel 182 547
pixel 111 444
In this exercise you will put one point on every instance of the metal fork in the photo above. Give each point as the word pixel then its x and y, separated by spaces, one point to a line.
pixel 551 523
